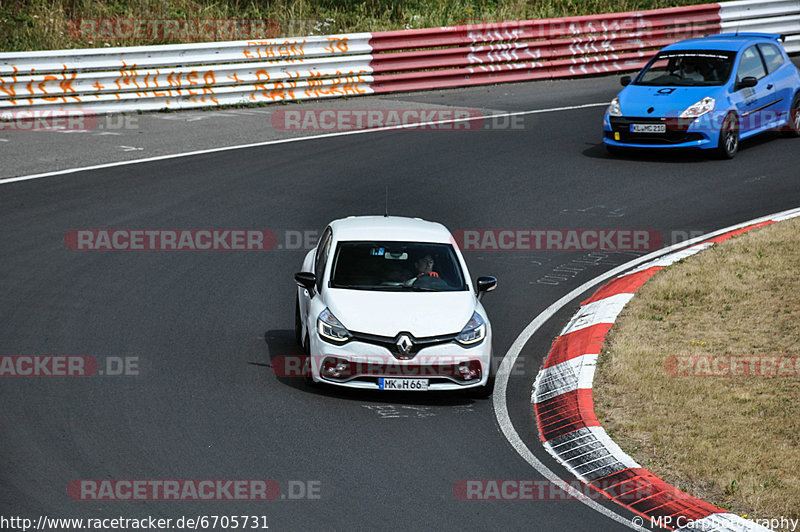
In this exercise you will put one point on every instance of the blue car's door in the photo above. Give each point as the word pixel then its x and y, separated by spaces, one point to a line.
pixel 750 101
pixel 780 85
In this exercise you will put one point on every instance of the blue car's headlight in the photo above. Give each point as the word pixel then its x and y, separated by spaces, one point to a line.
pixel 614 109
pixel 473 332
pixel 331 329
pixel 699 108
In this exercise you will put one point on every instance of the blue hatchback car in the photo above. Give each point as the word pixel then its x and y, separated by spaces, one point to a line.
pixel 707 93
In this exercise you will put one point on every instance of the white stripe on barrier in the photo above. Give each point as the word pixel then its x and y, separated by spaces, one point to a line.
pixel 781 25
pixel 752 9
pixel 671 258
pixel 596 312
pixel 591 440
pixel 115 58
pixel 188 99
pixel 572 374
pixel 193 78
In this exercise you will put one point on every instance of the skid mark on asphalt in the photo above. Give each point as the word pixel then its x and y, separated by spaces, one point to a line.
pixel 600 210
pixel 569 270
pixel 418 412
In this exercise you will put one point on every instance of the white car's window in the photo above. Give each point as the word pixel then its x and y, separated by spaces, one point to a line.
pixel 323 250
pixel 687 67
pixel 396 266
pixel 751 65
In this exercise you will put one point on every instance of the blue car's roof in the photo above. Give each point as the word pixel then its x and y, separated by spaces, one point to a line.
pixel 723 41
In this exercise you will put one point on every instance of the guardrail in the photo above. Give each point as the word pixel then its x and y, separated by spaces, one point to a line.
pixel 146 78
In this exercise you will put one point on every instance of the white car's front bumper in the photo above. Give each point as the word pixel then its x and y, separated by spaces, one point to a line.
pixel 367 362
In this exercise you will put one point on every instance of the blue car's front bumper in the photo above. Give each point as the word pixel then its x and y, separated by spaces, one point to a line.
pixel 617 133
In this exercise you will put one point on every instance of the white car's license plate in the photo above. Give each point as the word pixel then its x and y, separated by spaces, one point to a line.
pixel 416 385
pixel 648 128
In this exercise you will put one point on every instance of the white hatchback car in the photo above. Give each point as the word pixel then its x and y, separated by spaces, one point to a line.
pixel 386 303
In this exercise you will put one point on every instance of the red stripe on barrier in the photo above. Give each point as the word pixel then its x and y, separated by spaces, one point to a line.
pixel 533 49
pixel 544 28
pixel 627 284
pixel 644 493
pixel 501 74
pixel 586 341
pixel 565 413
pixel 510 52
pixel 726 236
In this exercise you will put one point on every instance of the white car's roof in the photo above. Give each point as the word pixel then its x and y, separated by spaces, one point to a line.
pixel 389 228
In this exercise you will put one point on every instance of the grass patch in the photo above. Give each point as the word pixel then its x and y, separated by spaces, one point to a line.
pixel 43 24
pixel 734 441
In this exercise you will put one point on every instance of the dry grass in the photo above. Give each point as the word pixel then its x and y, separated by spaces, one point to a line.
pixel 734 441
pixel 42 24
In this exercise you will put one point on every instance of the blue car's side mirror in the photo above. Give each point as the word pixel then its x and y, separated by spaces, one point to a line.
pixel 749 81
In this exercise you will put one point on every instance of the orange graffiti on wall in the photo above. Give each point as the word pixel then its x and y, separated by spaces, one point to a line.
pixel 337 45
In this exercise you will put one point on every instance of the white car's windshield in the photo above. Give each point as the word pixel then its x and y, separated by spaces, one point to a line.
pixel 687 68
pixel 397 266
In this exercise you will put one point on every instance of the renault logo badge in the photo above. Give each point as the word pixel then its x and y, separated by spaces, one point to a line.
pixel 404 345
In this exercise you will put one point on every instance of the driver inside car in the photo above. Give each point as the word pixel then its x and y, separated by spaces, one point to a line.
pixel 424 266
pixel 689 70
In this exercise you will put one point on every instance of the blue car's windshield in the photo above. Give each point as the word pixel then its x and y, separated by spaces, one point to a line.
pixel 687 68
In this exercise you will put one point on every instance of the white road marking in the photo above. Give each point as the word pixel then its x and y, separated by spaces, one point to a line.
pixel 293 139
pixel 131 148
pixel 510 358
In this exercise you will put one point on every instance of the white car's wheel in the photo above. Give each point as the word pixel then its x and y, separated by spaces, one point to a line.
pixel 307 375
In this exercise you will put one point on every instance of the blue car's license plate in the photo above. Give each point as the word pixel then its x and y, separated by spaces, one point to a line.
pixel 648 128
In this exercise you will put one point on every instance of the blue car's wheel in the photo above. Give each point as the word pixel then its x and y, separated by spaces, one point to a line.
pixel 792 128
pixel 729 137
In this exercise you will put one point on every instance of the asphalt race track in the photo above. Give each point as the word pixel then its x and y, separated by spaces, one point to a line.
pixel 204 326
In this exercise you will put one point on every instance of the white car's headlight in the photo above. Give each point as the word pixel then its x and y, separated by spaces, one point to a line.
pixel 699 108
pixel 331 329
pixel 614 109
pixel 473 332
